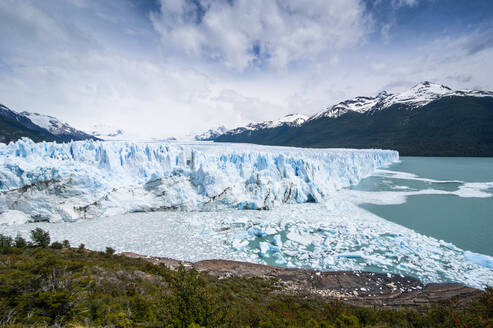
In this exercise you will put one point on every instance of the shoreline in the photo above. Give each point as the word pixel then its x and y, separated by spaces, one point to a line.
pixel 360 288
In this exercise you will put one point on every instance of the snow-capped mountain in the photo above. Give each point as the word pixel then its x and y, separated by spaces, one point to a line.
pixel 429 119
pixel 419 95
pixel 38 127
pixel 291 120
pixel 211 134
pixel 55 126
pixel 107 132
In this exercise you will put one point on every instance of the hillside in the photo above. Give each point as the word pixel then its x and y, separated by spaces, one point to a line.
pixel 14 126
pixel 37 127
pixel 451 124
pixel 61 286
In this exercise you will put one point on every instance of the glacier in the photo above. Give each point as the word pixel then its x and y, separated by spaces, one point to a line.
pixel 85 179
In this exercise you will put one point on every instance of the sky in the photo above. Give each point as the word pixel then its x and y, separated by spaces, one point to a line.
pixel 162 68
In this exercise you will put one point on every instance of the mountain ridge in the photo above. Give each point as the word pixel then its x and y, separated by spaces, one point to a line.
pixel 38 127
pixel 427 120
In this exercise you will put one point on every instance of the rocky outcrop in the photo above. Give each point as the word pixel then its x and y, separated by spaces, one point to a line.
pixel 357 288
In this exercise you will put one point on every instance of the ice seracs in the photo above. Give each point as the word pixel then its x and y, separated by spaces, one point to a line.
pixel 66 182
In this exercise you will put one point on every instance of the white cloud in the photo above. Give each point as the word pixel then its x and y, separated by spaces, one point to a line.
pixel 241 32
pixel 72 64
pixel 403 3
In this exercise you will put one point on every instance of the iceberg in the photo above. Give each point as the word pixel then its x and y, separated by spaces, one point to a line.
pixel 479 259
pixel 56 182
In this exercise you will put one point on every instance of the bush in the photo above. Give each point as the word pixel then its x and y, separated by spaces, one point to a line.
pixel 20 242
pixel 110 251
pixel 5 244
pixel 44 287
pixel 66 243
pixel 82 247
pixel 40 237
pixel 56 245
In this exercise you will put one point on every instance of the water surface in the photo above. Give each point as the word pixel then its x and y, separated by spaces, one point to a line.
pixel 467 222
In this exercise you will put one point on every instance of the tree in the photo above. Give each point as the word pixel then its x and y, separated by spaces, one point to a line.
pixel 40 237
pixel 56 245
pixel 20 242
pixel 5 244
pixel 110 251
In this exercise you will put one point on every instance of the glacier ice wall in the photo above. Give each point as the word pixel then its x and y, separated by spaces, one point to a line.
pixel 65 182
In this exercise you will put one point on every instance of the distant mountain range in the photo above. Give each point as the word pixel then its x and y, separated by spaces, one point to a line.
pixel 211 134
pixel 107 132
pixel 38 127
pixel 427 120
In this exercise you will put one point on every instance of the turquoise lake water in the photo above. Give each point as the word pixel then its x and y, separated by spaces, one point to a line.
pixel 463 220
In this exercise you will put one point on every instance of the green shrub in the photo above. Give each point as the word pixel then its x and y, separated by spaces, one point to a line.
pixel 40 237
pixel 56 245
pixel 5 244
pixel 66 244
pixel 20 242
pixel 347 321
pixel 43 287
pixel 82 247
pixel 109 251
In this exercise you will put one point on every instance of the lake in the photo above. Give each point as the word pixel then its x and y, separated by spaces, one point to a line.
pixel 426 217
pixel 467 222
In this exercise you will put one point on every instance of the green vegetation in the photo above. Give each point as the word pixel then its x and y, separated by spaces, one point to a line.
pixel 40 237
pixel 450 126
pixel 49 286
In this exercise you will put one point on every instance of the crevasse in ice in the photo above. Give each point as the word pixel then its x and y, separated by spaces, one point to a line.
pixel 65 182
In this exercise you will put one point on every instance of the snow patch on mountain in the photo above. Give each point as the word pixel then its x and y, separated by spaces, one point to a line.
pixel 66 182
pixel 211 134
pixel 289 120
pixel 419 95
pixel 54 125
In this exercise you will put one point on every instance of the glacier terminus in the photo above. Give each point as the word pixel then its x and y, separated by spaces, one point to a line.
pixel 85 179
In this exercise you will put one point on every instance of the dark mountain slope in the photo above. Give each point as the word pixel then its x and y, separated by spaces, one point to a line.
pixel 448 126
pixel 14 126
pixel 37 127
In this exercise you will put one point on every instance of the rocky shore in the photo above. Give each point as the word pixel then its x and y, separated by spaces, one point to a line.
pixel 358 288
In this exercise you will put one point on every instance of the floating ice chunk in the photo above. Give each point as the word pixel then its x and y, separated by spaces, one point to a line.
pixel 279 259
pixel 377 259
pixel 274 249
pixel 479 259
pixel 277 241
pixel 263 248
pixel 475 190
pixel 13 217
pixel 300 238
pixel 329 261
pixel 238 244
pixel 256 231
pixel 351 255
pixel 270 231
